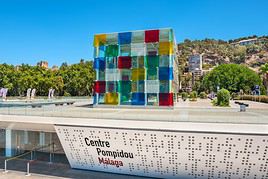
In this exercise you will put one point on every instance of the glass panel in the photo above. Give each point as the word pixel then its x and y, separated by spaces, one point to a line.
pixel 124 38
pixel 125 74
pixel 165 35
pixel 152 62
pixel 165 48
pixel 100 75
pixel 152 99
pixel 111 62
pixel 151 36
pixel 138 74
pixel 165 99
pixel 125 98
pixel 165 61
pixel 152 86
pixel 124 62
pixel 99 51
pixel 165 73
pixel 125 50
pixel 112 39
pixel 99 40
pixel 124 87
pixel 138 37
pixel 99 63
pixel 111 86
pixel 138 99
pixel 164 86
pixel 138 62
pixel 111 98
pixel 99 86
pixel 137 86
pixel 137 49
pixel 111 51
pixel 111 75
pixel 152 48
pixel 101 98
pixel 152 74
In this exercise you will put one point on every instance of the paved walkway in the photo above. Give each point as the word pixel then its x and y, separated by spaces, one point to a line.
pixel 40 169
pixel 206 104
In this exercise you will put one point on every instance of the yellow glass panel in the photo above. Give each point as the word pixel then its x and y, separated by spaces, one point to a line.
pixel 165 48
pixel 111 98
pixel 99 40
pixel 138 74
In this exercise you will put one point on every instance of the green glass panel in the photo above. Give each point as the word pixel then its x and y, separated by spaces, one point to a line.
pixel 125 98
pixel 152 74
pixel 124 87
pixel 164 86
pixel 152 62
pixel 111 51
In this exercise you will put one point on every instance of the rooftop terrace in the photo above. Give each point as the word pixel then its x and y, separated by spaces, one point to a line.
pixel 200 111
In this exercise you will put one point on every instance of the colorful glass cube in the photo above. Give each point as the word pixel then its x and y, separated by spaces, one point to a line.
pixel 135 68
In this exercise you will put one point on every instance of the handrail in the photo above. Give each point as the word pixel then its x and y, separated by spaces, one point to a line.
pixel 26 153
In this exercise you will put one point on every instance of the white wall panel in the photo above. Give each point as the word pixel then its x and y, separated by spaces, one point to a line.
pixel 168 154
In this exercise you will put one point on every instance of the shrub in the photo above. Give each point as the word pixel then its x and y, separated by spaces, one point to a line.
pixel 203 95
pixel 193 96
pixel 223 97
pixel 66 93
pixel 184 96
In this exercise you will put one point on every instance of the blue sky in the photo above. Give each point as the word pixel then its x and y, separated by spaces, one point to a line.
pixel 62 31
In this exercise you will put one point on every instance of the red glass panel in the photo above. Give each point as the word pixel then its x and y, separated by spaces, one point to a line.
pixel 99 87
pixel 165 99
pixel 151 36
pixel 124 62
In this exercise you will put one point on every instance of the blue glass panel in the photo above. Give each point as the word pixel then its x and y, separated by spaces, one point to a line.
pixel 138 99
pixel 124 38
pixel 99 63
pixel 165 73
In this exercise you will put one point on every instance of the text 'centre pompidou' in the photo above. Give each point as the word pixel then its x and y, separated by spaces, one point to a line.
pixel 135 68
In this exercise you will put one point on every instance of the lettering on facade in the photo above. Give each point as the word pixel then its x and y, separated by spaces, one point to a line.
pixel 100 145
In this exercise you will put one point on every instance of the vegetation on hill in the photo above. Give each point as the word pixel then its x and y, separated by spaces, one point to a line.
pixel 75 80
pixel 216 52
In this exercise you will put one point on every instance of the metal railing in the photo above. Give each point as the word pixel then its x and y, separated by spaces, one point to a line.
pixel 32 154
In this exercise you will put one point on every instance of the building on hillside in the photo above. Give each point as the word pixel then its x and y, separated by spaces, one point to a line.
pixel 135 68
pixel 43 64
pixel 195 62
pixel 246 42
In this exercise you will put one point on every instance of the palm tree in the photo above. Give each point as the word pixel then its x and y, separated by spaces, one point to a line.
pixel 264 73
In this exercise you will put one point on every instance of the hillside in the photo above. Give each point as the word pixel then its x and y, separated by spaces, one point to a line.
pixel 216 52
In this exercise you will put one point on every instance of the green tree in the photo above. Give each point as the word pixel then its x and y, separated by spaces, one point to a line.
pixel 76 79
pixel 232 77
pixel 264 74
